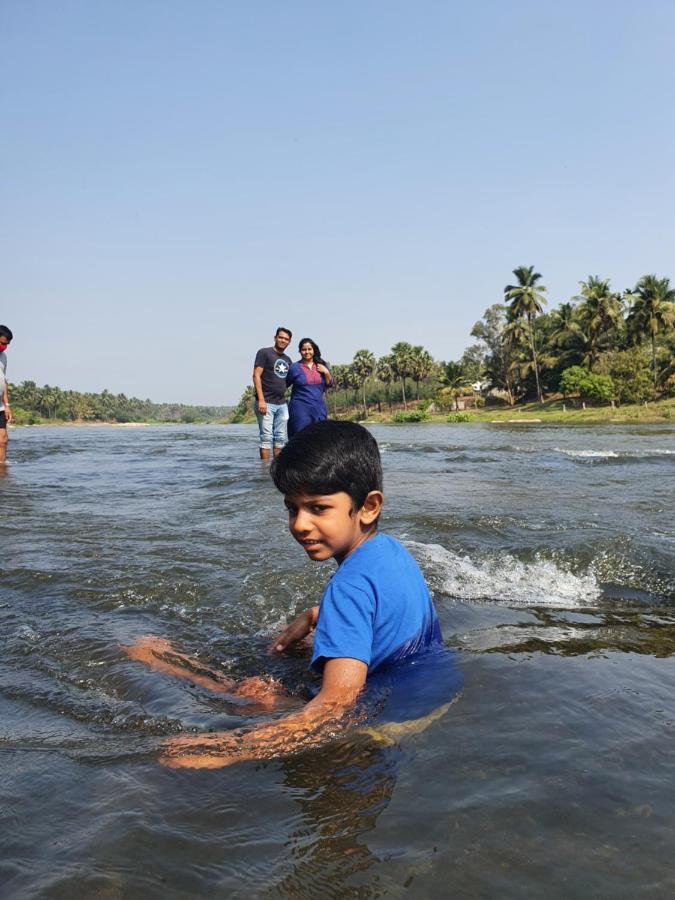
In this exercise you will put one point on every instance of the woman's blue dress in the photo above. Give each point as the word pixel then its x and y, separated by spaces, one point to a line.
pixel 307 403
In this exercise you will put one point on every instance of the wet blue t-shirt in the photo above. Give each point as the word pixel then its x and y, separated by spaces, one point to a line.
pixel 376 608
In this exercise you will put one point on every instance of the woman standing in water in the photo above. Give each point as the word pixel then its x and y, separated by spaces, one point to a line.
pixel 308 379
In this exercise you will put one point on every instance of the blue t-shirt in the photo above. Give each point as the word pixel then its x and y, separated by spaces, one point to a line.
pixel 376 608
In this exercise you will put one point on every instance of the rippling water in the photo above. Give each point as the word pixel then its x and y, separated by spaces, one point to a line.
pixel 550 553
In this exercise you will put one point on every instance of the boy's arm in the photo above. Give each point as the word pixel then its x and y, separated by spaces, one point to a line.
pixel 343 680
pixel 297 630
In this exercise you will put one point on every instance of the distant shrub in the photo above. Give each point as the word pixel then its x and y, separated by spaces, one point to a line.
pixel 412 415
pixel 480 402
pixel 21 416
pixel 577 380
pixel 459 417
pixel 631 372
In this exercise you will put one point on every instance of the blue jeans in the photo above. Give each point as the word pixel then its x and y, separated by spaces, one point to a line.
pixel 272 425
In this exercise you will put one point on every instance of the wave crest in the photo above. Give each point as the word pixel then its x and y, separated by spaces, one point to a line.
pixel 505 579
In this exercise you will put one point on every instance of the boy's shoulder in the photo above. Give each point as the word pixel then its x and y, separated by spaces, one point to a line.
pixel 380 559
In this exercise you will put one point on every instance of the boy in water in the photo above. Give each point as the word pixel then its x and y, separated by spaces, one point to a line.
pixel 375 611
pixel 5 412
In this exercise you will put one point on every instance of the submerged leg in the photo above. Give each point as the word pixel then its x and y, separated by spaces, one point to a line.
pixel 160 655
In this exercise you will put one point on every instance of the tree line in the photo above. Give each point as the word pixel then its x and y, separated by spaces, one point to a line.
pixel 600 345
pixel 32 404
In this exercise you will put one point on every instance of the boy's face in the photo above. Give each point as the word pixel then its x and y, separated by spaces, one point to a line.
pixel 327 525
pixel 4 342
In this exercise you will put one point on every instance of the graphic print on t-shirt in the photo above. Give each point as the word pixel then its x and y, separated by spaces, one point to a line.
pixel 281 368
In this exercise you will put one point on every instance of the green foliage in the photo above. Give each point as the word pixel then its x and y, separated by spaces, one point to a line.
pixel 629 370
pixel 410 415
pixel 244 408
pixel 50 404
pixel 589 386
pixel 459 417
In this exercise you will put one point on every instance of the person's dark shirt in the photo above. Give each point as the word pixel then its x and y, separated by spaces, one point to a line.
pixel 275 368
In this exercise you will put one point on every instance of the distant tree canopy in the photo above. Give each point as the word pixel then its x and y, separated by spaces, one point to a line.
pixel 31 403
pixel 623 343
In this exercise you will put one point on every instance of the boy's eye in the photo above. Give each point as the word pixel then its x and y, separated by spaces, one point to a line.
pixel 318 507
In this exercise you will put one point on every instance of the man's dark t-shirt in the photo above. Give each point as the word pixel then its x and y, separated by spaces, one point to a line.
pixel 275 368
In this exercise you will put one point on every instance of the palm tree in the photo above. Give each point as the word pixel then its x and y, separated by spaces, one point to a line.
pixel 652 311
pixel 600 315
pixel 526 299
pixel 363 367
pixel 340 382
pixel 453 377
pixel 384 372
pixel 402 364
pixel 422 366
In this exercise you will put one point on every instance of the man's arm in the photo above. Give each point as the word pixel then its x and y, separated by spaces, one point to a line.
pixel 343 680
pixel 257 384
pixel 5 400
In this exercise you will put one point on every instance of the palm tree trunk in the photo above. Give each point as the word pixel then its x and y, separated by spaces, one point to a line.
pixel 365 408
pixel 654 361
pixel 534 361
pixel 405 405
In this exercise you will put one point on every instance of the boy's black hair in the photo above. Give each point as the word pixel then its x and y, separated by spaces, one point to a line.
pixel 6 332
pixel 328 457
pixel 286 330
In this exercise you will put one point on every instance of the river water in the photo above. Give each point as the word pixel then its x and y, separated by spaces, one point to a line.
pixel 550 554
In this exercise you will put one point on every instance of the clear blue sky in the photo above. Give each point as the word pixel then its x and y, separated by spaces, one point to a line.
pixel 180 176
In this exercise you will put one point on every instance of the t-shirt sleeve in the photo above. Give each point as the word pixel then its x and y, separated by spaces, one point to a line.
pixel 345 625
pixel 260 359
pixel 292 374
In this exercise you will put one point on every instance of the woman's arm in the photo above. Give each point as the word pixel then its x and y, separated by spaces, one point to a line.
pixel 325 371
pixel 343 680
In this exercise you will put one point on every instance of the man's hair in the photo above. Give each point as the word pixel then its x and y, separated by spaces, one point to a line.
pixel 328 457
pixel 287 330
pixel 6 332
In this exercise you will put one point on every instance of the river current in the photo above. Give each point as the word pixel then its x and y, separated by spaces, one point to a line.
pixel 550 554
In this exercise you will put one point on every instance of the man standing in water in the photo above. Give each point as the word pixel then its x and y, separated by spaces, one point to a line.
pixel 269 381
pixel 5 414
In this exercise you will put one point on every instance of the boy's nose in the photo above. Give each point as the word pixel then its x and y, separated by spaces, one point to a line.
pixel 301 523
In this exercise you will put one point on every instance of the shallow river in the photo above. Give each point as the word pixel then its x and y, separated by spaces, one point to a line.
pixel 550 554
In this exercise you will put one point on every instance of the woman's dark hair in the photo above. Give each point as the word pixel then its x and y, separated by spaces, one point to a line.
pixel 328 457
pixel 5 332
pixel 315 347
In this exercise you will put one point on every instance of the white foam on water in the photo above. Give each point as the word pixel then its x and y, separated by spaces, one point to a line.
pixel 613 454
pixel 588 454
pixel 505 579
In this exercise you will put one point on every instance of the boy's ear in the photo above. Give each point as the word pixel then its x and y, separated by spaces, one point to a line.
pixel 372 507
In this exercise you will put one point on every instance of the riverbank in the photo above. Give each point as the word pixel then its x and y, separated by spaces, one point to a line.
pixel 553 412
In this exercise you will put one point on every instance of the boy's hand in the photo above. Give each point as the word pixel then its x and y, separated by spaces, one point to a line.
pixel 296 631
